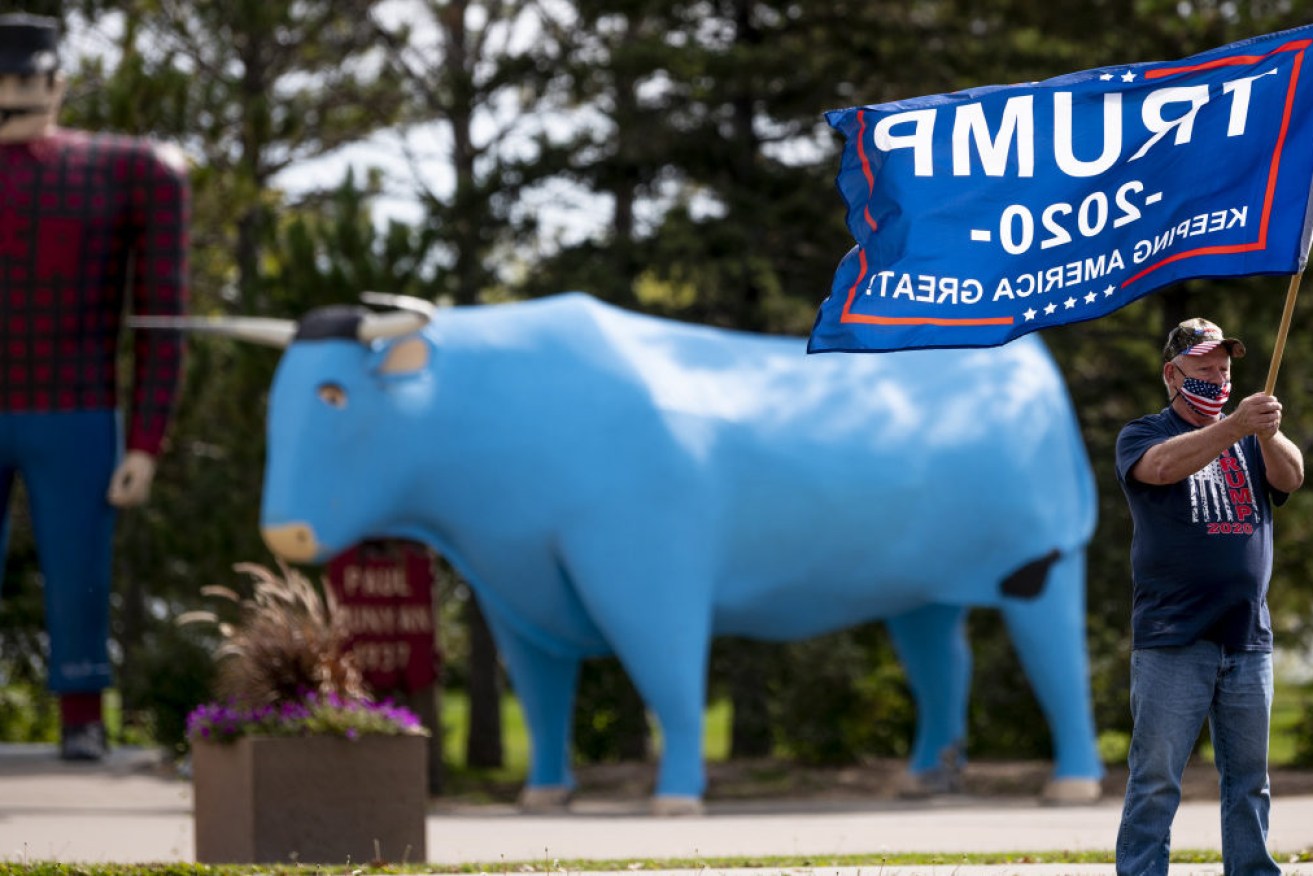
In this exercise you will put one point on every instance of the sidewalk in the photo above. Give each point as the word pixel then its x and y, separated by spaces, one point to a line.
pixel 127 810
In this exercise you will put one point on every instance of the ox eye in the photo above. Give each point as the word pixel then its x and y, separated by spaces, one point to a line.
pixel 332 394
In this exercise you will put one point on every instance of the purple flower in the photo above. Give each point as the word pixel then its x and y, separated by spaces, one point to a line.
pixel 309 715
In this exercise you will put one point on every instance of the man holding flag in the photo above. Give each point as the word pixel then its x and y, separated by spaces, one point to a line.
pixel 985 214
pixel 1201 486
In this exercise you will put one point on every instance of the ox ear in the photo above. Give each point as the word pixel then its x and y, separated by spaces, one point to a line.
pixel 406 356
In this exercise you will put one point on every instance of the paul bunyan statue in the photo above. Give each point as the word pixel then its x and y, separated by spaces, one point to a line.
pixel 88 223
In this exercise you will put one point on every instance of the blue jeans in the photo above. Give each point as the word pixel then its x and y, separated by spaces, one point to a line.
pixel 1172 691
pixel 65 460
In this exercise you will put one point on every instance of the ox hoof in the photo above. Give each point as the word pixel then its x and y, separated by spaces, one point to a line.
pixel 544 799
pixel 931 783
pixel 672 806
pixel 1072 792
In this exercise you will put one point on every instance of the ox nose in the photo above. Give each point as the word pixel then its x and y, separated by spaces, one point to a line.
pixel 294 542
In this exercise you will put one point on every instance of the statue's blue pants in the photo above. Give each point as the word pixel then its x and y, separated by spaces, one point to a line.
pixel 65 461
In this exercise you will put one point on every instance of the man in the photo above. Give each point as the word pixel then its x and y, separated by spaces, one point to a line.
pixel 1201 487
pixel 86 221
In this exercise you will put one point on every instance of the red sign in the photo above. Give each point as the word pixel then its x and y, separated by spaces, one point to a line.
pixel 385 591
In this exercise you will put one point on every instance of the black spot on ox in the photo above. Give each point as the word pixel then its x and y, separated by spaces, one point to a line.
pixel 1028 581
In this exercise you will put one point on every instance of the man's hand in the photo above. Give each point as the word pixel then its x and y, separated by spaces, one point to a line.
pixel 130 483
pixel 1259 414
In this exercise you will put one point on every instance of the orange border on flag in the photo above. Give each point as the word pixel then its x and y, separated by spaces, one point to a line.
pixel 871 319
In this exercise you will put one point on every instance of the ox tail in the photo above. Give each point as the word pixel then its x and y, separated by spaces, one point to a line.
pixel 1028 581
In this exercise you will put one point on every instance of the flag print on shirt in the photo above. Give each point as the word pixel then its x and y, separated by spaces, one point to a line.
pixel 1221 496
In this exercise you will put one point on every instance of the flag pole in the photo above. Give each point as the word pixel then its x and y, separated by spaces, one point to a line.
pixel 1280 348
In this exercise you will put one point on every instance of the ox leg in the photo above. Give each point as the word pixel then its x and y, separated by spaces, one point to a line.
pixel 653 598
pixel 545 684
pixel 669 670
pixel 1048 633
pixel 931 643
pixel 674 687
pixel 664 649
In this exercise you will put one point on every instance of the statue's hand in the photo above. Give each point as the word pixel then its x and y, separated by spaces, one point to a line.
pixel 130 483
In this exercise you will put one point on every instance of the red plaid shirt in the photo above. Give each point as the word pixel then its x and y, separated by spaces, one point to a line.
pixel 85 221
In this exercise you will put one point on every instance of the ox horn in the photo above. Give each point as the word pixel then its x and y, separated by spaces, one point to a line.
pixel 374 326
pixel 401 302
pixel 267 331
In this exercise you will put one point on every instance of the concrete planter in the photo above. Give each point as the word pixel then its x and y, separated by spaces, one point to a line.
pixel 310 799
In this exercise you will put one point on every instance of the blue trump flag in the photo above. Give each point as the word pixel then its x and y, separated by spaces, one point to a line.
pixel 985 214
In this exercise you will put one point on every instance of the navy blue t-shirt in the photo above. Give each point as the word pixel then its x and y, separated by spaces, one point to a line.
pixel 1201 556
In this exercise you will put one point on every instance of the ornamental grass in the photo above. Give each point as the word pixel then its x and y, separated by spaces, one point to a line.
pixel 284 666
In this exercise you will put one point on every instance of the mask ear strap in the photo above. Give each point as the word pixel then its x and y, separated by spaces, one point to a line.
pixel 1171 401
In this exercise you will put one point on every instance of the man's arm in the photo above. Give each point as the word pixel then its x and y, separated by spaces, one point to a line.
pixel 161 219
pixel 162 216
pixel 1181 456
pixel 1284 462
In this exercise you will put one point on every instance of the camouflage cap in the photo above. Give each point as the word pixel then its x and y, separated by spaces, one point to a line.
pixel 29 44
pixel 1198 336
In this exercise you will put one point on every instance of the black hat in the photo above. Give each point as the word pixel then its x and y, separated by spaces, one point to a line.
pixel 28 43
pixel 1198 336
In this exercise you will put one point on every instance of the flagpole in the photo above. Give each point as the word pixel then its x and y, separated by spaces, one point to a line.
pixel 1291 293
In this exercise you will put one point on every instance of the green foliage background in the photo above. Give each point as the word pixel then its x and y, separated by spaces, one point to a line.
pixel 688 139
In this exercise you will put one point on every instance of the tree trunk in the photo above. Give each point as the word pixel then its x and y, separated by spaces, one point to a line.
pixel 483 745
pixel 427 704
pixel 750 730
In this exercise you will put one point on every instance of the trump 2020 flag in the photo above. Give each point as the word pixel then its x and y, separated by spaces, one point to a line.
pixel 985 214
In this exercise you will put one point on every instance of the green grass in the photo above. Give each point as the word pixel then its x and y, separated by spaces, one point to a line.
pixel 716 735
pixel 515 737
pixel 1290 703
pixel 32 716
pixel 455 727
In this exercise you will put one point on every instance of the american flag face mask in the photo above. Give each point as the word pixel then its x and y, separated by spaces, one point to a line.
pixel 1205 398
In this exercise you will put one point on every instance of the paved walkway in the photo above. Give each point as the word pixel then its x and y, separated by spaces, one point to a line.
pixel 126 810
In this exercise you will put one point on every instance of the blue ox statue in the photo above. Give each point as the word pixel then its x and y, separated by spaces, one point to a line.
pixel 611 483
